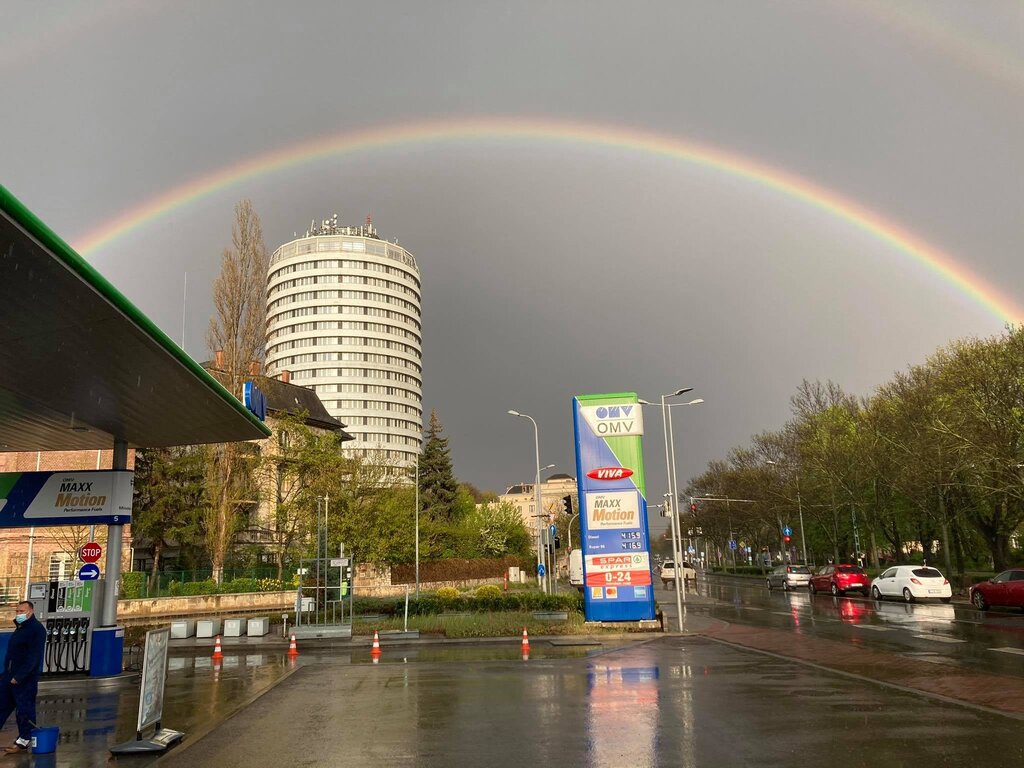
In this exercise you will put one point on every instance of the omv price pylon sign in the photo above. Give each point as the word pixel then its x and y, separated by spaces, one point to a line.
pixel 618 584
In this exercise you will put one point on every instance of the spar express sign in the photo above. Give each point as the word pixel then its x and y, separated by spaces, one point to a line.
pixel 65 498
pixel 609 463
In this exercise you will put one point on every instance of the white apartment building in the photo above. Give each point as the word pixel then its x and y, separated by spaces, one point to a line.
pixel 344 319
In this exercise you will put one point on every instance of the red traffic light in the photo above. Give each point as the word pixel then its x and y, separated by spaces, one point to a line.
pixel 786 539
pixel 693 506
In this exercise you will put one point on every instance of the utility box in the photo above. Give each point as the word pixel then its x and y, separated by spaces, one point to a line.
pixel 182 628
pixel 235 627
pixel 258 627
pixel 208 627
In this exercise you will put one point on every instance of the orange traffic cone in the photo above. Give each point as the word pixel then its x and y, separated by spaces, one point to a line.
pixel 375 651
pixel 293 649
pixel 218 654
pixel 526 645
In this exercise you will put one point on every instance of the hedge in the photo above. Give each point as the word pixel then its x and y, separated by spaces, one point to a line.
pixel 459 570
pixel 471 603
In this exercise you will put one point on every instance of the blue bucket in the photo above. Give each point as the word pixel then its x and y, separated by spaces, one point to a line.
pixel 44 740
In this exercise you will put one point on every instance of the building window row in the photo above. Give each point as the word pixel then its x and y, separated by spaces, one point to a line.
pixel 369 389
pixel 340 325
pixel 380 298
pixel 385 437
pixel 376 282
pixel 333 309
pixel 355 325
pixel 330 341
pixel 380 421
pixel 355 373
pixel 374 405
pixel 354 357
pixel 336 264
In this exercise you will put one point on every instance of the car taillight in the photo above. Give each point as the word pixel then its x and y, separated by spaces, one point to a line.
pixel 945 582
pixel 788 569
pixel 915 581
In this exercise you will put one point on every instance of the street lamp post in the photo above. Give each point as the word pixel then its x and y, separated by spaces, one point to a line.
pixel 674 523
pixel 417 514
pixel 536 493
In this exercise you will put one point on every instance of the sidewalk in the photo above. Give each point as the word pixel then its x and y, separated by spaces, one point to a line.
pixel 981 689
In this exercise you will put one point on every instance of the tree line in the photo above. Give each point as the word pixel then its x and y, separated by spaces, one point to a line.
pixel 931 464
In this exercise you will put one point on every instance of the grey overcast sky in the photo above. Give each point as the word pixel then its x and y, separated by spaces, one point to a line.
pixel 554 268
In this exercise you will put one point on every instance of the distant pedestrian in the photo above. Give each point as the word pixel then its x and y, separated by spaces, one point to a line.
pixel 19 680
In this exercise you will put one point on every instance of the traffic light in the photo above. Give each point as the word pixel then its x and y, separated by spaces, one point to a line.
pixel 567 504
pixel 786 539
pixel 693 507
pixel 558 542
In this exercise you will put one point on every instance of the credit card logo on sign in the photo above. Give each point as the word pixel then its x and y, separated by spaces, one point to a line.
pixel 596 593
pixel 611 592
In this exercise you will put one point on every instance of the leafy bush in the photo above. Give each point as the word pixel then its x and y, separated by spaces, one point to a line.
pixel 192 588
pixel 488 591
pixel 133 584
pixel 236 586
pixel 447 594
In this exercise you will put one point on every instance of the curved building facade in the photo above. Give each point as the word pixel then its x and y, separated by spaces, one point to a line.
pixel 343 318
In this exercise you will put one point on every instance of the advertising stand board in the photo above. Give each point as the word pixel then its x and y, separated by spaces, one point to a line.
pixel 618 584
pixel 151 698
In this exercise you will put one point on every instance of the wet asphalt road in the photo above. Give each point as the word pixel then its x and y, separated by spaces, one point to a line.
pixel 954 634
pixel 670 702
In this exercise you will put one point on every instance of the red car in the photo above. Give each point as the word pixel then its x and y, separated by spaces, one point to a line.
pixel 839 579
pixel 1005 589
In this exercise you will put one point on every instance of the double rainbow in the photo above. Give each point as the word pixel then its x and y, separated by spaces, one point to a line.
pixel 575 133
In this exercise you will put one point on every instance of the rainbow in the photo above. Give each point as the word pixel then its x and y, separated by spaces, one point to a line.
pixel 575 133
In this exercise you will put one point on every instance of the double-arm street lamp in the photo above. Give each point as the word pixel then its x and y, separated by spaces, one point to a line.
pixel 670 466
pixel 537 499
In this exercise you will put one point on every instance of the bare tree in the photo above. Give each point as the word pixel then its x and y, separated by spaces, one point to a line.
pixel 236 337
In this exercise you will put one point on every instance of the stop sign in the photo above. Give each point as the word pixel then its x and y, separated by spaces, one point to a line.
pixel 90 552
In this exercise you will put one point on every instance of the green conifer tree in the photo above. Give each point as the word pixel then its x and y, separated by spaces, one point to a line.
pixel 438 487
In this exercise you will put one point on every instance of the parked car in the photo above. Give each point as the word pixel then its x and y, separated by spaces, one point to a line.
pixel 912 582
pixel 788 577
pixel 1005 589
pixel 668 572
pixel 839 579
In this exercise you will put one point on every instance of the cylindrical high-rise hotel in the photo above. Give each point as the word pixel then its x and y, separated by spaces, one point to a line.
pixel 343 318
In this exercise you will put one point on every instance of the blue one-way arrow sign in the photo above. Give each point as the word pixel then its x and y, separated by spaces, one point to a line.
pixel 89 572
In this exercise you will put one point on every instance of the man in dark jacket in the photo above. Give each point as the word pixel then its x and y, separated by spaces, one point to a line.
pixel 19 680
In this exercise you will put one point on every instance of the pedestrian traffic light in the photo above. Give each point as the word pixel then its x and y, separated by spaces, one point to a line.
pixel 567 504
pixel 693 507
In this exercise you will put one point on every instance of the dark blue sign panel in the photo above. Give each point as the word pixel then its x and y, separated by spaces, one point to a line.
pixel 89 572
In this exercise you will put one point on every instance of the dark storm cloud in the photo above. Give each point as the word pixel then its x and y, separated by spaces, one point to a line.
pixel 554 270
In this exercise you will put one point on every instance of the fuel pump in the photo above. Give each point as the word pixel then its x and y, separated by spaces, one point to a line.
pixel 69 610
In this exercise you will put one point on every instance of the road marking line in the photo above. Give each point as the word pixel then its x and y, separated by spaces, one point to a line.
pixel 1017 651
pixel 871 626
pixel 939 638
pixel 782 613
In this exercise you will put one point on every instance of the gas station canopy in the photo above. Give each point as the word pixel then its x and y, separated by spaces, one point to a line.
pixel 80 365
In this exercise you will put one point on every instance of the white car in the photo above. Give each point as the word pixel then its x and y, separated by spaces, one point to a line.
pixel 668 572
pixel 912 582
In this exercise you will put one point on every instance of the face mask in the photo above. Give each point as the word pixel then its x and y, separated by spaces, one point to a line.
pixel 21 617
